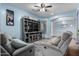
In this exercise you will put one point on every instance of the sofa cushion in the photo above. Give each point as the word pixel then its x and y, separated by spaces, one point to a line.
pixel 60 43
pixel 16 43
pixel 65 36
pixel 55 41
pixel 9 48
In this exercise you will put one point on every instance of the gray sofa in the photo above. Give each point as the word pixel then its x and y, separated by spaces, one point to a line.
pixel 14 47
pixel 53 47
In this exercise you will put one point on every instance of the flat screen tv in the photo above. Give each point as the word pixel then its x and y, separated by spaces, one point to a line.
pixel 36 27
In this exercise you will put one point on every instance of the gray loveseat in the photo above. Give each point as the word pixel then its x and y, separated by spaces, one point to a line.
pixel 14 47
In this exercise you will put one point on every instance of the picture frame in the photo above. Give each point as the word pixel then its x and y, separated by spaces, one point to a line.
pixel 9 17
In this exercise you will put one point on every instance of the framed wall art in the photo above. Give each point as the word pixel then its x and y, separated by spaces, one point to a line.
pixel 9 17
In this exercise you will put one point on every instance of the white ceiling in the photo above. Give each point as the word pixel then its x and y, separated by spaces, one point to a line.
pixel 57 8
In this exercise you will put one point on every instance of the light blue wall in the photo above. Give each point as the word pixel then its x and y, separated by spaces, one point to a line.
pixel 14 31
pixel 0 18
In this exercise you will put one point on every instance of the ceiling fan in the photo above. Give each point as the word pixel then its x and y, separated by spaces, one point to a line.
pixel 42 7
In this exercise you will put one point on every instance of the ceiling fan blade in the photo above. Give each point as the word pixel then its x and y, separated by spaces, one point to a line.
pixel 36 10
pixel 36 6
pixel 48 6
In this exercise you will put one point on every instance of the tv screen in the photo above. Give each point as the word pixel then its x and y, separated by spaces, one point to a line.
pixel 35 27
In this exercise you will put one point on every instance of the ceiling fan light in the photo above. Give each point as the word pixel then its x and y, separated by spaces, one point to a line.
pixel 43 9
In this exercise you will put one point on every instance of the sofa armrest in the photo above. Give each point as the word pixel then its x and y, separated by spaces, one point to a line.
pixel 53 47
pixel 23 51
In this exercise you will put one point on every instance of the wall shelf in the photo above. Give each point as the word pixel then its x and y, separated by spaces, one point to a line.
pixel 31 30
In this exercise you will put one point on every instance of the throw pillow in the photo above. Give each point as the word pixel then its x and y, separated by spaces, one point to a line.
pixel 16 43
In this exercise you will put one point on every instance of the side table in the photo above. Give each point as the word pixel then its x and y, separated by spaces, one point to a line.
pixel 73 49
